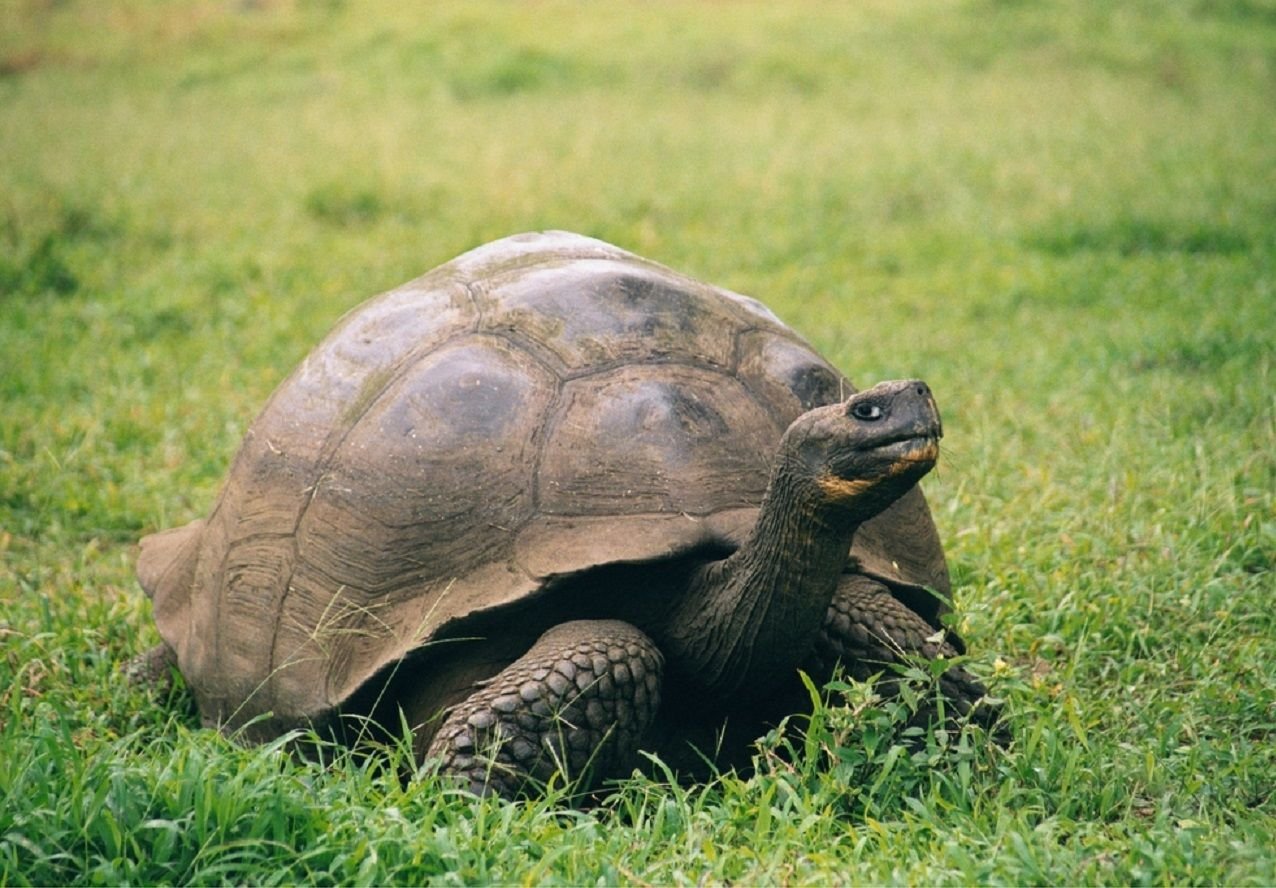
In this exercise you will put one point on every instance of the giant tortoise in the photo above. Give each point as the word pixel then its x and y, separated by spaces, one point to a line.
pixel 552 503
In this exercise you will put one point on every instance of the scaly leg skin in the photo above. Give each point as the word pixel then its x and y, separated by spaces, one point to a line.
pixel 153 669
pixel 578 702
pixel 867 629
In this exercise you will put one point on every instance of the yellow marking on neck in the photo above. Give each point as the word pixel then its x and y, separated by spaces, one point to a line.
pixel 842 489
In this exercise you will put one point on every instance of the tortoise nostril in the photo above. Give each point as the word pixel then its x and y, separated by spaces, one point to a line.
pixel 922 390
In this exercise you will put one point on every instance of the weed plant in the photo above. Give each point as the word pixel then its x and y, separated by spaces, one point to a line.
pixel 1062 216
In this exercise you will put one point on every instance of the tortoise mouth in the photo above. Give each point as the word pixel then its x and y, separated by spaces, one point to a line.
pixel 906 442
pixel 915 448
pixel 905 453
pixel 908 457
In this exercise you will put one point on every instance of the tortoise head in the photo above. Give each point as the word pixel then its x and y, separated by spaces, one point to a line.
pixel 864 453
pixel 747 619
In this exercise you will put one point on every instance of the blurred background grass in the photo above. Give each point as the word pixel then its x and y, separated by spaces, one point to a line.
pixel 1062 215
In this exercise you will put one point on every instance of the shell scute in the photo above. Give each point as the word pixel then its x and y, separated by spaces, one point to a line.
pixel 598 313
pixel 674 439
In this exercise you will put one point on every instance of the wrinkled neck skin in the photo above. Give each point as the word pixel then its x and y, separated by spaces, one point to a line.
pixel 749 619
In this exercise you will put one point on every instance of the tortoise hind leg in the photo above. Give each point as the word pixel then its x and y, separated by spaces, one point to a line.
pixel 577 703
pixel 153 669
pixel 867 629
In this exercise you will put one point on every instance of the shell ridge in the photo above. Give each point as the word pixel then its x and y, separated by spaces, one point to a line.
pixel 541 355
pixel 554 413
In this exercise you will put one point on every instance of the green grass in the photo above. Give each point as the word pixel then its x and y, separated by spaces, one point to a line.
pixel 1063 216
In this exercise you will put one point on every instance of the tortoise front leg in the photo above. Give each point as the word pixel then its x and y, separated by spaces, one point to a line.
pixel 577 703
pixel 868 630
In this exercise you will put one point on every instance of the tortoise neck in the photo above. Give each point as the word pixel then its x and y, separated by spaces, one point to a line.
pixel 749 620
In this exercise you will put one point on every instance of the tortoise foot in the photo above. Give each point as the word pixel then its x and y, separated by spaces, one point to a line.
pixel 867 629
pixel 153 669
pixel 576 704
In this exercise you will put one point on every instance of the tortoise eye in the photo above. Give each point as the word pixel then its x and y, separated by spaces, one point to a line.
pixel 867 412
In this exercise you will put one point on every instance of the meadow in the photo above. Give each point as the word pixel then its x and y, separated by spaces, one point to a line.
pixel 1062 216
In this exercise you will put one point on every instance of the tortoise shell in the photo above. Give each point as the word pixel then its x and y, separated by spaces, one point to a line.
pixel 538 407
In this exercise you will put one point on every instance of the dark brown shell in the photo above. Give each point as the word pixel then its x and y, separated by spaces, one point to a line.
pixel 536 407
